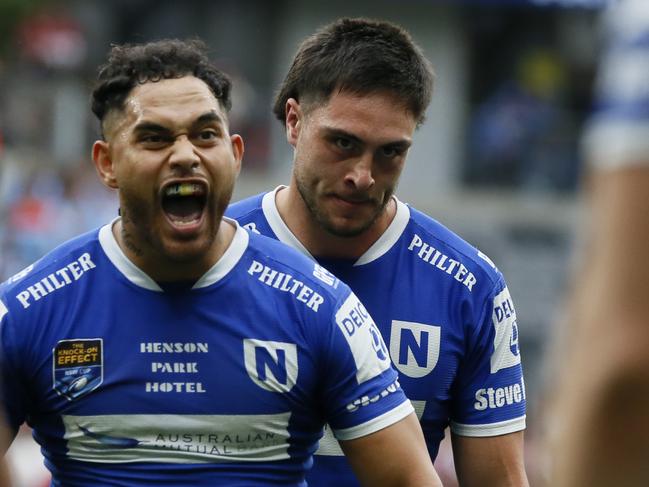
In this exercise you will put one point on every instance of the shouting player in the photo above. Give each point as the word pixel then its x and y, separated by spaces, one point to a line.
pixel 171 347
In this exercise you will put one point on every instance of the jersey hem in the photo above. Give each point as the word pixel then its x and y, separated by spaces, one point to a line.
pixel 380 422
pixel 485 430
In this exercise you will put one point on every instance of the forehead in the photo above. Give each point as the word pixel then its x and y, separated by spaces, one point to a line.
pixel 170 101
pixel 371 115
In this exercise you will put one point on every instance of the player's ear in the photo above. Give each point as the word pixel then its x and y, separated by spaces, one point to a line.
pixel 104 163
pixel 293 120
pixel 237 149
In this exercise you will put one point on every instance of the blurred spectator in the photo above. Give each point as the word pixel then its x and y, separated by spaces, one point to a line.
pixel 53 38
pixel 520 135
pixel 602 421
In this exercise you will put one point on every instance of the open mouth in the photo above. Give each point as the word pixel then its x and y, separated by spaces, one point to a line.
pixel 184 203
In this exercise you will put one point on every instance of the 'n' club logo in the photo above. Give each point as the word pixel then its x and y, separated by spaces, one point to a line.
pixel 414 347
pixel 271 365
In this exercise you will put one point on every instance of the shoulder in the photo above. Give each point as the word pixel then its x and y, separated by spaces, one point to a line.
pixel 63 266
pixel 286 269
pixel 245 206
pixel 434 243
pixel 250 213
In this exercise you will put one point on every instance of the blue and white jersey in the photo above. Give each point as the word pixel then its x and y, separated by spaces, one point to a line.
pixel 447 316
pixel 618 132
pixel 228 382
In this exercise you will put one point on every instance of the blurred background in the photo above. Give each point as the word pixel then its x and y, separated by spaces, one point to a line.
pixel 497 160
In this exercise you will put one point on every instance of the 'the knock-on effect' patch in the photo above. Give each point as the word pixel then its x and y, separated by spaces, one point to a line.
pixel 78 367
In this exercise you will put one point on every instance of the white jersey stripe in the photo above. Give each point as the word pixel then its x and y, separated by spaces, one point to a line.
pixel 167 438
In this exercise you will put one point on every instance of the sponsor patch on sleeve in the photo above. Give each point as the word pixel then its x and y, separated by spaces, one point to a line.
pixel 506 353
pixel 325 276
pixel 486 258
pixel 21 274
pixel 78 367
pixel 364 339
pixel 252 227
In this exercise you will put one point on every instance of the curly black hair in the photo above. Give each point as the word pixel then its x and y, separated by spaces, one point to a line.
pixel 132 64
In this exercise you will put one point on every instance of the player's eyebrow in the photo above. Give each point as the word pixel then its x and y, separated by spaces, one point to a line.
pixel 204 119
pixel 209 117
pixel 146 126
pixel 400 144
pixel 335 132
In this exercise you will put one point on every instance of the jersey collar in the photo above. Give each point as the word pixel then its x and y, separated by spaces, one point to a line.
pixel 220 269
pixel 378 248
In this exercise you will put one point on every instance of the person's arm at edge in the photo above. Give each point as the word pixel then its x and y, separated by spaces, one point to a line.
pixel 394 456
pixel 6 438
pixel 5 479
pixel 495 461
pixel 603 434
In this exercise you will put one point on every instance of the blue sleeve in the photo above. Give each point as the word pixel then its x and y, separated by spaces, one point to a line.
pixel 12 387
pixel 362 394
pixel 490 391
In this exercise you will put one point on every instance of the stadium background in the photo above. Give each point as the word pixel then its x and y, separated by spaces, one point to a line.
pixel 497 160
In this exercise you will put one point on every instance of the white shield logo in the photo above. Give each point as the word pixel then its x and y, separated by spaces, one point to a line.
pixel 271 365
pixel 414 347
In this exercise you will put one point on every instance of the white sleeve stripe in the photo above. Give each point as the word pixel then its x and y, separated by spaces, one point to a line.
pixel 493 429
pixel 3 310
pixel 616 143
pixel 387 419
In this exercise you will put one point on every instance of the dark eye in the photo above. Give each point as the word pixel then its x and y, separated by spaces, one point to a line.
pixel 154 140
pixel 207 135
pixel 390 152
pixel 343 143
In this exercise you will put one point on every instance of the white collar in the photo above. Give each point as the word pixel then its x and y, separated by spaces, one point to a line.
pixel 220 269
pixel 378 248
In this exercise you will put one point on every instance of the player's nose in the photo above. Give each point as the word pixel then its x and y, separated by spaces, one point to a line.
pixel 184 155
pixel 360 173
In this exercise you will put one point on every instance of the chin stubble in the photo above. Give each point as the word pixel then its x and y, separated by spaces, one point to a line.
pixel 322 220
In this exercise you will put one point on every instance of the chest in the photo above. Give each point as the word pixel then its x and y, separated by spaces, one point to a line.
pixel 422 318
pixel 148 355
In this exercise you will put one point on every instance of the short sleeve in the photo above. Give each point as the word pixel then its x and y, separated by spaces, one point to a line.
pixel 11 390
pixel 489 396
pixel 362 393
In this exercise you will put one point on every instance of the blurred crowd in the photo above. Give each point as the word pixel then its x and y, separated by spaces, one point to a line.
pixel 43 206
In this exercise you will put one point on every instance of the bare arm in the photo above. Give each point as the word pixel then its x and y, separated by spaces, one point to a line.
pixel 495 461
pixel 602 436
pixel 394 456
pixel 5 442
pixel 5 479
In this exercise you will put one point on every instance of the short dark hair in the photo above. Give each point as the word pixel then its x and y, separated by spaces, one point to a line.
pixel 129 65
pixel 360 56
